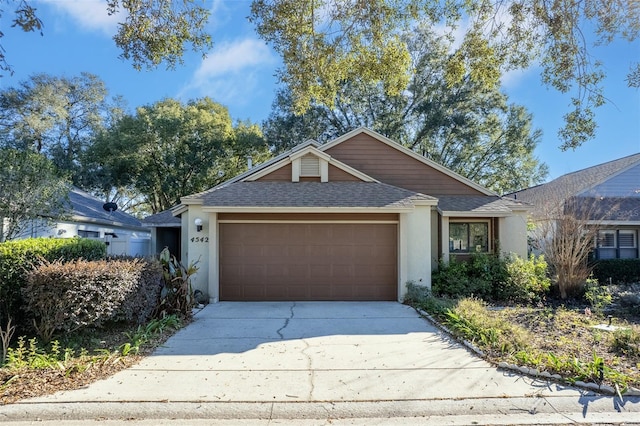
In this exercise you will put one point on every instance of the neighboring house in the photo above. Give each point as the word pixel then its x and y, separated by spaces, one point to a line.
pixel 606 195
pixel 87 218
pixel 353 219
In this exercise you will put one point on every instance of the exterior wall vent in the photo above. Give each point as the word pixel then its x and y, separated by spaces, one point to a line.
pixel 309 166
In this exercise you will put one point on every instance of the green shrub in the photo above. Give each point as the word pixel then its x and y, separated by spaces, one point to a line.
pixel 526 281
pixel 73 295
pixel 19 256
pixel 619 271
pixel 476 277
pixel 626 342
pixel 416 293
pixel 421 297
pixel 176 295
pixel 491 277
pixel 598 296
pixel 471 320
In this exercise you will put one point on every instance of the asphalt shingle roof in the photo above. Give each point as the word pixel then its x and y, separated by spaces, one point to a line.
pixel 85 206
pixel 163 218
pixel 311 194
pixel 620 209
pixel 574 183
pixel 478 204
pixel 599 189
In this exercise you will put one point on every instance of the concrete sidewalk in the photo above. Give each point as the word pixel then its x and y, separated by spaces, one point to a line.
pixel 327 361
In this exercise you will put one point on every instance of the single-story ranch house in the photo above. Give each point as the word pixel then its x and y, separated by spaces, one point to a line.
pixel 354 219
pixel 87 218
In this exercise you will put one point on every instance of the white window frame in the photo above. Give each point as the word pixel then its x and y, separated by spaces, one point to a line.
pixel 634 235
pixel 601 239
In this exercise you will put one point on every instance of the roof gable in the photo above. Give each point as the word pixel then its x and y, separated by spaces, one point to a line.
pixel 626 183
pixel 292 169
pixel 398 165
pixel 610 178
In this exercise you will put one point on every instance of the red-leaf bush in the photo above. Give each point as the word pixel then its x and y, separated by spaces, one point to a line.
pixel 77 294
pixel 20 256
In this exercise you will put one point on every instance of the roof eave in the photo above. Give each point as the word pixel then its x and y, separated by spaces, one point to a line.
pixel 78 218
pixel 454 213
pixel 262 209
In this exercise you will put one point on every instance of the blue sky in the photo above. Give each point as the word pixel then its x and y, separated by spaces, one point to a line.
pixel 239 73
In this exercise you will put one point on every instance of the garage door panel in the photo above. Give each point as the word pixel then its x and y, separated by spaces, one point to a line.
pixel 295 261
pixel 319 292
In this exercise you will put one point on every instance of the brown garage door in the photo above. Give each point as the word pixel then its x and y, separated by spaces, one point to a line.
pixel 302 261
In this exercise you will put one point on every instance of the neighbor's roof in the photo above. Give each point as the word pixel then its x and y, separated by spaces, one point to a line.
pixel 576 183
pixel 87 208
pixel 314 194
pixel 610 209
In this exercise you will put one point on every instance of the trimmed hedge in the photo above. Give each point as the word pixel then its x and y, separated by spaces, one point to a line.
pixel 621 271
pixel 20 256
pixel 73 295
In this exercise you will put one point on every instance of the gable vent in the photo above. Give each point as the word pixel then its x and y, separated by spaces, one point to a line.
pixel 309 165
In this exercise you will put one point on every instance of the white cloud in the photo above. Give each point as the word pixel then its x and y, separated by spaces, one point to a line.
pixel 88 14
pixel 234 73
pixel 512 79
pixel 235 57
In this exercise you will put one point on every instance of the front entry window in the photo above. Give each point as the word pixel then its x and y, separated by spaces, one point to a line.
pixel 468 237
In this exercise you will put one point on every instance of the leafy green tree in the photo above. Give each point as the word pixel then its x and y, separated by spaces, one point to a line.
pixel 326 43
pixel 467 127
pixel 151 31
pixel 168 150
pixel 31 192
pixel 56 116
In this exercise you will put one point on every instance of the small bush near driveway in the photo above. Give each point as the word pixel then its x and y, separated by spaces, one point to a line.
pixel 20 256
pixel 74 295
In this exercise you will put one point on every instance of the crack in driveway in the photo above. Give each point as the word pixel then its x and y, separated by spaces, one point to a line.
pixel 286 321
pixel 312 384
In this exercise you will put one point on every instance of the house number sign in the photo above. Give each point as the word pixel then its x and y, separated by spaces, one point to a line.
pixel 200 239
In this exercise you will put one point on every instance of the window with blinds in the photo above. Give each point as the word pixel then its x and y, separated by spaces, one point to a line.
pixel 309 166
pixel 607 239
pixel 627 239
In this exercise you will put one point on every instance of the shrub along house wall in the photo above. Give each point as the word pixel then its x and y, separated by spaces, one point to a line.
pixel 617 271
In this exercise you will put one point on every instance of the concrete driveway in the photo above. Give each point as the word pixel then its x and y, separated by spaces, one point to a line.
pixel 320 360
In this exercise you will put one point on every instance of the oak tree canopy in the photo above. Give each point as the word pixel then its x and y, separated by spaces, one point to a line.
pixel 324 43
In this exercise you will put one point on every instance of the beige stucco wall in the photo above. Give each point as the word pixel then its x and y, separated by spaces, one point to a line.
pixel 414 263
pixel 444 239
pixel 434 239
pixel 513 234
pixel 197 244
pixel 415 249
